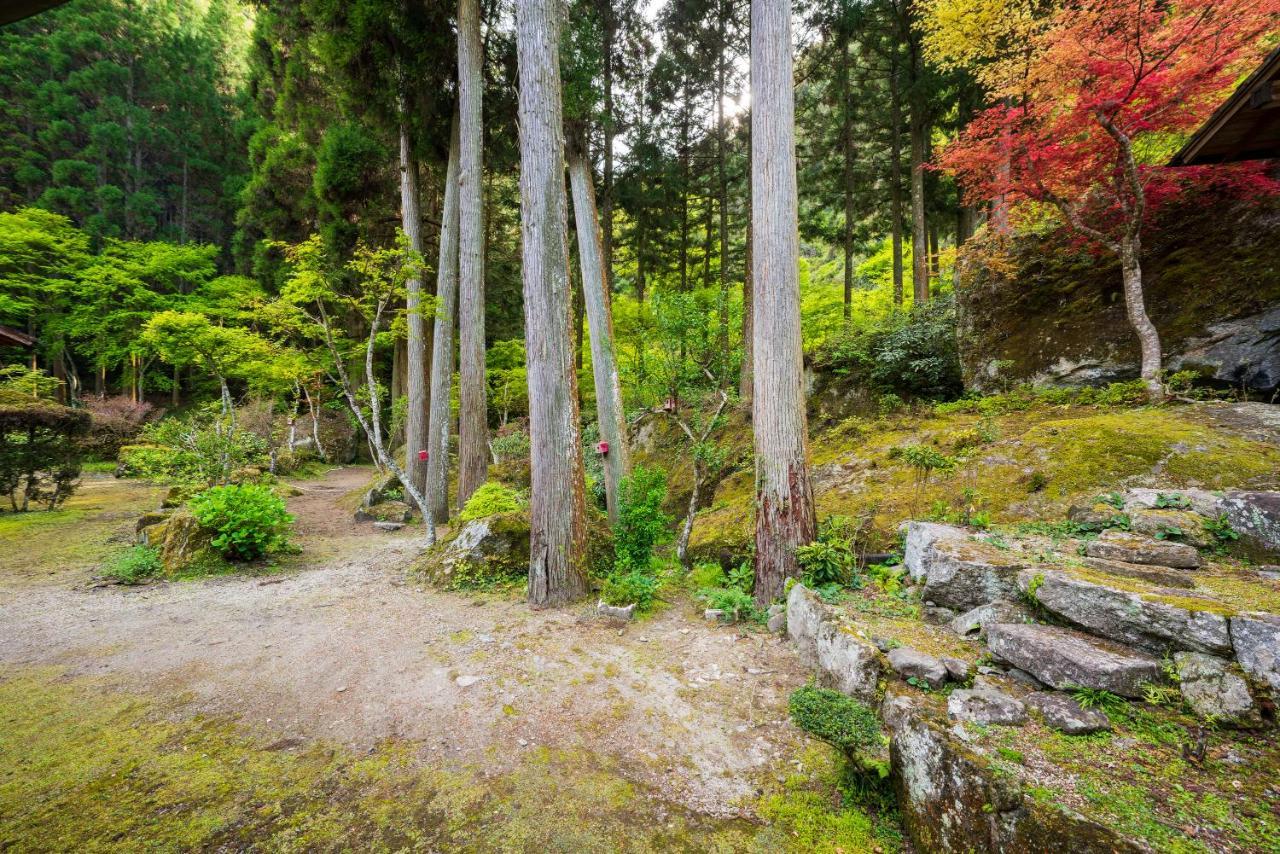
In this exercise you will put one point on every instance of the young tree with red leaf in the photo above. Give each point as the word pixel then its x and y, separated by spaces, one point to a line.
pixel 1085 126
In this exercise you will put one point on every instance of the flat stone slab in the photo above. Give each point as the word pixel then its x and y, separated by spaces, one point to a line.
pixel 1127 617
pixel 972 622
pixel 1257 642
pixel 956 570
pixel 1151 574
pixel 1256 517
pixel 388 526
pixel 985 706
pixel 1062 658
pixel 1063 713
pixel 1131 548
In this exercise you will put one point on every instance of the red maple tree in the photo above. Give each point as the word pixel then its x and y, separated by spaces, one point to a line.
pixel 1088 125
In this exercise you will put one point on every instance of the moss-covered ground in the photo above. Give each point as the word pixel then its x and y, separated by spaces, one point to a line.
pixel 1007 466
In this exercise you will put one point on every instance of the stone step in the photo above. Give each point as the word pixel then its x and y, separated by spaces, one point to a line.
pixel 1131 618
pixel 1153 574
pixel 1063 658
pixel 956 570
pixel 1132 548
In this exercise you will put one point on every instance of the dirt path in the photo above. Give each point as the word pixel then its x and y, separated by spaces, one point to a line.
pixel 347 648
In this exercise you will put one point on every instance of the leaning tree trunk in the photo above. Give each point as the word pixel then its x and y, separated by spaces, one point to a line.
pixel 473 430
pixel 609 413
pixel 1135 306
pixel 442 343
pixel 415 370
pixel 784 496
pixel 557 506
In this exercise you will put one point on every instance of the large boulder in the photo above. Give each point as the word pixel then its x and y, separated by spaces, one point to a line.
pixel 956 570
pixel 1133 548
pixel 952 799
pixel 1126 617
pixel 1213 691
pixel 1257 642
pixel 846 662
pixel 185 542
pixel 1063 658
pixel 1255 516
pixel 484 551
pixel 985 706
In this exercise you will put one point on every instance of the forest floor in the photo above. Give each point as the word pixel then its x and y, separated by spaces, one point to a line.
pixel 493 726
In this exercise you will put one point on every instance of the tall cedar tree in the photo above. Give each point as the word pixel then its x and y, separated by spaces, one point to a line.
pixel 784 495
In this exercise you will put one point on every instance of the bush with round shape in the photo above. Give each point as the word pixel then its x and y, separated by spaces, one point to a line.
pixel 249 521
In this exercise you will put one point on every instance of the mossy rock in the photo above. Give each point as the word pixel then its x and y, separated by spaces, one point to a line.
pixel 386 511
pixel 186 544
pixel 486 552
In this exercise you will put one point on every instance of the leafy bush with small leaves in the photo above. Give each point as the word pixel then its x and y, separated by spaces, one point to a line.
pixel 641 524
pixel 1221 532
pixel 729 592
pixel 134 565
pixel 205 447
pixel 736 604
pixel 490 499
pixel 841 721
pixel 631 586
pixel 833 557
pixel 249 521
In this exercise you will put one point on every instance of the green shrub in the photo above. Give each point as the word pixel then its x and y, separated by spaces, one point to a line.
pixel 490 499
pixel 134 565
pixel 734 602
pixel 40 453
pixel 632 586
pixel 205 447
pixel 838 720
pixel 833 557
pixel 641 524
pixel 249 521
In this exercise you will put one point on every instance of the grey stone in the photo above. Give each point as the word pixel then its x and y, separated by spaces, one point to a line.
pixel 1093 516
pixel 1154 522
pixel 957 571
pixel 712 614
pixel 388 526
pixel 805 613
pixel 1240 351
pixel 614 612
pixel 974 621
pixel 1257 643
pixel 1020 675
pixel 1131 548
pixel 777 623
pixel 1201 501
pixel 913 664
pixel 1063 658
pixel 1213 691
pixel 1153 574
pixel 1127 617
pixel 957 668
pixel 937 615
pixel 985 706
pixel 1255 516
pixel 1063 713
pixel 847 663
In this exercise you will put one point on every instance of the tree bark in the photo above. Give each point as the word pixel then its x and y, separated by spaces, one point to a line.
pixel 784 496
pixel 846 174
pixel 919 225
pixel 415 373
pixel 473 428
pixel 722 178
pixel 895 182
pixel 1135 307
pixel 609 27
pixel 442 340
pixel 604 366
pixel 746 378
pixel 557 506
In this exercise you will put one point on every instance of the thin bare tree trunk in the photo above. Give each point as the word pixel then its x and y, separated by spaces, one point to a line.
pixel 895 181
pixel 919 227
pixel 557 507
pixel 846 173
pixel 604 366
pixel 609 27
pixel 414 370
pixel 442 343
pixel 722 179
pixel 473 407
pixel 784 496
pixel 1135 307
pixel 746 381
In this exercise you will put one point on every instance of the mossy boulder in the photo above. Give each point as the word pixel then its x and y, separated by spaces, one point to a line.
pixel 484 552
pixel 1041 307
pixel 186 543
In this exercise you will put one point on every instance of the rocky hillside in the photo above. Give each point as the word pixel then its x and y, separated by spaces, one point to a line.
pixel 1042 308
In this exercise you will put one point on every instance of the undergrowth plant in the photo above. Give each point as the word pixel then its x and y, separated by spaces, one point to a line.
pixel 249 521
pixel 134 565
pixel 641 527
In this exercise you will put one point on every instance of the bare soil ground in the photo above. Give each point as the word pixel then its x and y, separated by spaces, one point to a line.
pixel 343 645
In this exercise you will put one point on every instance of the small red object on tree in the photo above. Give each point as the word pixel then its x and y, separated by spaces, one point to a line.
pixel 602 448
pixel 422 456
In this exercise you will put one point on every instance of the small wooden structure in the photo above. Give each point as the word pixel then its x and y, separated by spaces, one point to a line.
pixel 1246 127
pixel 16 10
pixel 10 337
